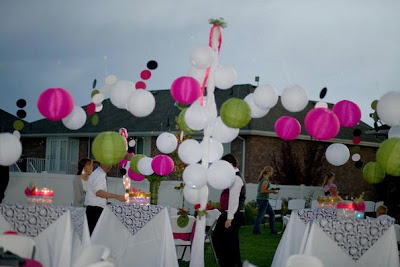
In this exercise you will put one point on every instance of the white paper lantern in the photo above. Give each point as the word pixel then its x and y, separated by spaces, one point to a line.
pixel 98 98
pixel 189 151
pixel 221 174
pixel 76 119
pixel 394 131
pixel 98 107
pixel 111 79
pixel 388 108
pixel 337 154
pixel 195 176
pixel 294 98
pixel 166 143
pixel 141 103
pixel 223 133
pixel 191 195
pixel 321 104
pixel 215 150
pixel 106 88
pixel 225 77
pixel 356 157
pixel 198 101
pixel 265 97
pixel 198 74
pixel 202 57
pixel 144 166
pixel 256 112
pixel 120 93
pixel 17 134
pixel 196 117
pixel 132 143
pixel 10 149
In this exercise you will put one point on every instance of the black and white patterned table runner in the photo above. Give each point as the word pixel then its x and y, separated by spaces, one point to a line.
pixel 307 215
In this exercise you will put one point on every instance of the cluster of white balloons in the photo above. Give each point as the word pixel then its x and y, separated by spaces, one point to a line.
pixel 10 148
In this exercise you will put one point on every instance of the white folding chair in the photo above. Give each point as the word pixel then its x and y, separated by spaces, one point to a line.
pixel 294 204
pixel 208 239
pixel 212 216
pixel 182 230
pixel 314 204
pixel 299 260
pixel 92 254
pixel 22 246
pixel 369 206
pixel 276 205
pixel 377 204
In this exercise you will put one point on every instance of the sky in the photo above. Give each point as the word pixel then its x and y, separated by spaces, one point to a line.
pixel 349 46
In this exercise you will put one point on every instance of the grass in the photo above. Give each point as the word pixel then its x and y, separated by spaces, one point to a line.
pixel 257 249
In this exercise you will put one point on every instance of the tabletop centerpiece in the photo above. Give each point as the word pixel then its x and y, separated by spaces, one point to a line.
pixel 38 196
pixel 138 197
pixel 351 209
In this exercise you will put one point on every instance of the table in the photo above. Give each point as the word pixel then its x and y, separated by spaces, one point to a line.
pixel 349 242
pixel 136 235
pixel 60 233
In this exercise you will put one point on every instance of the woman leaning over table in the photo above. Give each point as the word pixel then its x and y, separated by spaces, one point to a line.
pixel 85 168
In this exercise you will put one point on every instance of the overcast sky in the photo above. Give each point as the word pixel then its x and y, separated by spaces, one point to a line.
pixel 352 47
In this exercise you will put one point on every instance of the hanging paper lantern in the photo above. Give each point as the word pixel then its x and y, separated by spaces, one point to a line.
pixel 98 98
pixel 373 173
pixel 337 154
pixel 321 104
pixel 388 108
pixel 182 124
pixel 141 103
pixel 256 112
pixel 294 98
pixel 18 125
pixel 55 103
pixel 120 93
pixel 202 56
pixel 322 123
pixel 196 117
pixel 195 176
pixel 185 90
pixel 189 151
pixel 356 157
pixel 134 162
pixel 166 143
pixel 223 133
pixel 225 77
pixel 198 74
pixel 111 79
pixel 235 113
pixel 76 119
pixel 388 156
pixel 221 174
pixel 394 131
pixel 91 108
pixel 348 113
pixel 162 165
pixel 215 150
pixel 17 134
pixel 108 148
pixel 144 166
pixel 265 97
pixel 287 128
pixel 135 176
pixel 10 149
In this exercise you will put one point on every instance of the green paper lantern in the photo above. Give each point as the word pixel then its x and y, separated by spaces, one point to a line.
pixel 135 161
pixel 235 113
pixel 373 173
pixel 109 148
pixel 388 156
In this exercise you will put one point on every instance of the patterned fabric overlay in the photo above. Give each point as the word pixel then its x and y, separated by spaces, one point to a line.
pixel 355 237
pixel 307 215
pixel 30 220
pixel 134 217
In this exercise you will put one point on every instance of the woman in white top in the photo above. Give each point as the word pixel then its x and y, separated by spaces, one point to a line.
pixel 85 168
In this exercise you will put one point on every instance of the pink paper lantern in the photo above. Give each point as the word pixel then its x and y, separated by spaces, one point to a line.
pixel 162 165
pixel 185 90
pixel 135 176
pixel 348 113
pixel 287 128
pixel 55 103
pixel 322 123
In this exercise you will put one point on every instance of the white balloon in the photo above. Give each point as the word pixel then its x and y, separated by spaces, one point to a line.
pixel 106 88
pixel 17 134
pixel 215 150
pixel 356 157
pixel 198 74
pixel 166 143
pixel 98 107
pixel 394 131
pixel 10 149
pixel 196 117
pixel 337 154
pixel 221 174
pixel 225 77
pixel 256 112
pixel 321 104
pixel 265 97
pixel 189 151
pixel 98 98
pixel 132 143
pixel 191 195
pixel 388 108
pixel 202 56
pixel 121 93
pixel 294 98
pixel 111 79
pixel 144 166
pixel 141 103
pixel 195 176
pixel 76 119
pixel 223 133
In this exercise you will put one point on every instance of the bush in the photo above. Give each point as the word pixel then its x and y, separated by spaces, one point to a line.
pixel 250 210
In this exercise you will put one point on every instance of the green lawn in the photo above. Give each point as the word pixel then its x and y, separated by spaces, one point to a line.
pixel 257 249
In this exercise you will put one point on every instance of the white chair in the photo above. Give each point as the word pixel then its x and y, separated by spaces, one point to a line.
pixel 276 205
pixel 92 254
pixel 208 239
pixel 294 204
pixel 182 230
pixel 212 216
pixel 314 204
pixel 102 264
pixel 369 206
pixel 22 246
pixel 298 260
pixel 377 204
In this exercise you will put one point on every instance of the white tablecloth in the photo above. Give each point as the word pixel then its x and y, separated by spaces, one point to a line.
pixel 60 233
pixel 136 235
